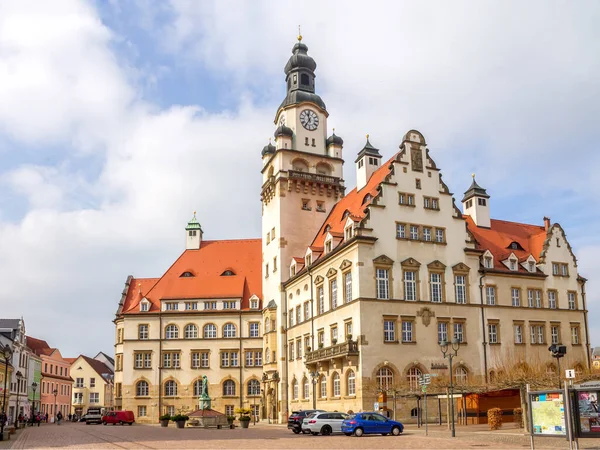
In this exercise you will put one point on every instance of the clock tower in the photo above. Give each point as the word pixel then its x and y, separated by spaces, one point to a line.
pixel 302 181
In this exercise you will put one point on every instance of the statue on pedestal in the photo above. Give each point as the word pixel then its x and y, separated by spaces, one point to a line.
pixel 205 402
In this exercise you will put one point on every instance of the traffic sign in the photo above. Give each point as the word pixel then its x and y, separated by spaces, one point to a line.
pixel 425 379
pixel 424 388
pixel 569 374
pixel 376 406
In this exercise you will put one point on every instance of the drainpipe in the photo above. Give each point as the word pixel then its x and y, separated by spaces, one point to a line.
pixel 284 381
pixel 160 339
pixel 485 364
pixel 312 313
pixel 240 361
pixel 585 320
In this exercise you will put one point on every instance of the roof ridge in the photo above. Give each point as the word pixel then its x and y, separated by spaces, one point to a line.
pixel 520 223
pixel 231 240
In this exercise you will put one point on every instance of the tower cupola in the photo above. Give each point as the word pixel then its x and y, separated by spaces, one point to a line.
pixel 367 162
pixel 284 136
pixel 268 150
pixel 193 232
pixel 334 145
pixel 476 204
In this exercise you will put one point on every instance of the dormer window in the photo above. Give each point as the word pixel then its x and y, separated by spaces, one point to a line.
pixel 531 266
pixel 293 270
pixel 328 246
pixel 228 273
pixel 144 306
pixel 367 198
pixel 513 264
pixel 186 275
pixel 515 246
pixel 253 302
pixel 488 262
pixel 348 233
pixel 308 260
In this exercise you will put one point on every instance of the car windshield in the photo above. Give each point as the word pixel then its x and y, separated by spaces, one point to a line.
pixel 350 416
pixel 308 416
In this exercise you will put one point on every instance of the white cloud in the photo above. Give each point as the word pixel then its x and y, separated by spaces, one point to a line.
pixel 508 91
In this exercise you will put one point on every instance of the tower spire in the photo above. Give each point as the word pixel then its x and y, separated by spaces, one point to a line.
pixel 299 34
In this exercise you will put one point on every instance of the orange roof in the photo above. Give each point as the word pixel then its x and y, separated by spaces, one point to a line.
pixel 354 203
pixel 242 257
pixel 501 234
pixel 70 360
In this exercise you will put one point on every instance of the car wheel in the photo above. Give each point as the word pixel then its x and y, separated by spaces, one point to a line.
pixel 384 434
pixel 114 423
pixel 104 422
pixel 358 432
pixel 121 423
pixel 396 431
pixel 296 431
pixel 130 423
pixel 314 433
pixel 326 430
pixel 348 434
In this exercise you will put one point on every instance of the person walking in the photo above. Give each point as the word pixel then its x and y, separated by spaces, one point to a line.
pixel 59 417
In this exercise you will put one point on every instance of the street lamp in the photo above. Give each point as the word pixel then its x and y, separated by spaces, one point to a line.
pixel 7 354
pixel 55 392
pixel 19 375
pixel 315 379
pixel 558 351
pixel 34 386
pixel 451 353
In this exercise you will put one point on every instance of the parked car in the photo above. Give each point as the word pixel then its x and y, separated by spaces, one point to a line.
pixel 93 415
pixel 296 418
pixel 82 418
pixel 370 423
pixel 324 423
pixel 118 417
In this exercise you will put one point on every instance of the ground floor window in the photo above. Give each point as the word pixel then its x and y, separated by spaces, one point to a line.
pixel 141 411
pixel 229 410
pixel 171 410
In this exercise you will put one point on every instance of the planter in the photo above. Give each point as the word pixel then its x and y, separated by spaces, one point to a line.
pixel 244 423
pixel 180 423
pixel 230 421
pixel 164 423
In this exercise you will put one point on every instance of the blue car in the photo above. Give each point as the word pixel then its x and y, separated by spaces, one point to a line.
pixel 370 423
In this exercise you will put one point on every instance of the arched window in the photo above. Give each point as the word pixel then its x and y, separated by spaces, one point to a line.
pixel 351 382
pixel 323 386
pixel 460 375
pixel 229 330
pixel 414 413
pixel 323 169
pixel 267 356
pixel 229 387
pixel 492 376
pixel 197 388
pixel 253 387
pixel 190 331
pixel 295 389
pixel 336 384
pixel 142 389
pixel 171 332
pixel 412 377
pixel 385 378
pixel 170 388
pixel 186 275
pixel 305 389
pixel 300 165
pixel 267 325
pixel 228 273
pixel 210 331
pixel 578 369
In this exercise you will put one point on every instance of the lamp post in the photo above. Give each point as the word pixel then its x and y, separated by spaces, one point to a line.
pixel 451 353
pixel 275 379
pixel 7 354
pixel 19 376
pixel 34 386
pixel 55 392
pixel 265 380
pixel 558 351
pixel 315 379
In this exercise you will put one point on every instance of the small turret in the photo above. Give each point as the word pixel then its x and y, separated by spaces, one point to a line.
pixel 477 205
pixel 193 232
pixel 334 145
pixel 268 150
pixel 367 162
pixel 283 136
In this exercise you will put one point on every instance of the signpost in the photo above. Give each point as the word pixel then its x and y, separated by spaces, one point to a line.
pixel 423 382
pixel 570 374
pixel 376 406
pixel 549 414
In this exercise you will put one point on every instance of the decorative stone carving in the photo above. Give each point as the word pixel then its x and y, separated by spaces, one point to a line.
pixel 436 265
pixel 345 264
pixel 331 273
pixel 425 314
pixel 383 259
pixel 319 279
pixel 416 158
pixel 410 262
pixel 461 267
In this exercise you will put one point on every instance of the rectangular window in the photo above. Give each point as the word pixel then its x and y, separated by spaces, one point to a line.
pixel 299 348
pixel 426 233
pixel 333 292
pixel 540 332
pixel 292 350
pixel 321 296
pixel 139 361
pixel 79 382
pixel 204 361
pixel 195 360
pixel 439 235
pixel 275 264
pixel 254 332
pixel 554 334
pixel 383 283
pixel 400 231
pixel 94 397
pixel 490 295
pixel 210 305
pixel 334 334
pixel 414 232
pixel 538 298
pixel 224 359
pixel 348 287
pixel 229 305
pixel 249 359
pixel 234 359
pixel 459 332
pixel 518 334
pixel 555 269
pixel 572 300
pixel 533 334
pixel 410 199
pixel 575 335
pixel 435 280
pixel 493 333
pixel 147 360
pixel 410 286
pixel 515 294
pixel 191 306
pixel 431 203
pixel 167 360
pixel 564 270
pixel 306 310
pixel 298 314
pixel 171 306
pixel 141 411
pixel 143 332
pixel 291 317
pixel 552 299
pixel 229 410
pixel 348 328
pixel 258 358
pixel 407 331
pixel 389 331
pixel 460 284
pixel 321 337
pixel 442 332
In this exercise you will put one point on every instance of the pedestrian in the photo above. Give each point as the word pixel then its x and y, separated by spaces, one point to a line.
pixel 38 419
pixel 59 417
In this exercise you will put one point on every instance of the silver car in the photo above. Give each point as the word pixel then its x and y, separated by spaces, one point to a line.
pixel 324 423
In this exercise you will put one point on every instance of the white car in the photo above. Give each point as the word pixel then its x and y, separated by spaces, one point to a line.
pixel 324 423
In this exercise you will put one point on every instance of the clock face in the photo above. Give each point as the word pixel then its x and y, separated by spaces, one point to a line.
pixel 309 120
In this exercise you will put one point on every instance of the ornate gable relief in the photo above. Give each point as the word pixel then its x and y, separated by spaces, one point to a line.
pixel 331 273
pixel 345 264
pixel 556 232
pixel 461 267
pixel 430 162
pixel 436 265
pixel 383 260
pixel 425 314
pixel 411 263
pixel 319 279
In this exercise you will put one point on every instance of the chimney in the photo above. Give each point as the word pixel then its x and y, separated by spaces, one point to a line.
pixel 546 223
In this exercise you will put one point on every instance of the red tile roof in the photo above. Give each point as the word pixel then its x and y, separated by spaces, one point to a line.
pixel 242 257
pixel 101 369
pixel 501 234
pixel 70 360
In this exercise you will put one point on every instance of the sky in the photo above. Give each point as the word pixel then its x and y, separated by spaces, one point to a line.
pixel 118 119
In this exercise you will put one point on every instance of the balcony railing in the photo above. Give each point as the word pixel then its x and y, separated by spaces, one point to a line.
pixel 314 177
pixel 348 348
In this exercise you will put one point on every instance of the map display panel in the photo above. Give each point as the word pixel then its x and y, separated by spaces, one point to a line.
pixel 548 414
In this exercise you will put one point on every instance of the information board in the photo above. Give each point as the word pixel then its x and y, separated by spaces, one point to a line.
pixel 589 419
pixel 548 414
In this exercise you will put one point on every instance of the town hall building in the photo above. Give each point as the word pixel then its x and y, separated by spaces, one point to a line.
pixel 346 295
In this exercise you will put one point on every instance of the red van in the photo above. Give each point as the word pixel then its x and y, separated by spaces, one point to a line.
pixel 118 417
